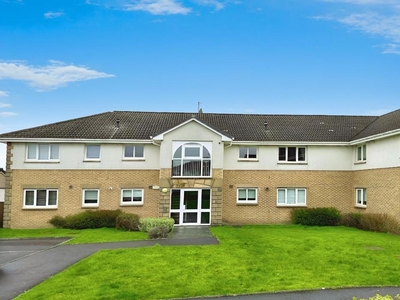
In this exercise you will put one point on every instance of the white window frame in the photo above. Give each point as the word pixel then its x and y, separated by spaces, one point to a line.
pixel 92 158
pixel 363 201
pixel 34 205
pixel 51 148
pixel 185 156
pixel 296 161
pixel 296 197
pixel 132 202
pixel 247 155
pixel 361 153
pixel 247 201
pixel 134 157
pixel 90 204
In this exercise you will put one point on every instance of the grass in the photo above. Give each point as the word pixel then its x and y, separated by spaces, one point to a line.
pixel 83 236
pixel 250 259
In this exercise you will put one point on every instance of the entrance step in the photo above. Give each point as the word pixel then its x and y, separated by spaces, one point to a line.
pixel 187 232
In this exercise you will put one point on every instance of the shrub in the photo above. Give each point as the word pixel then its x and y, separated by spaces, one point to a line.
pixel 352 220
pixel 57 221
pixel 128 222
pixel 157 227
pixel 322 216
pixel 158 232
pixel 89 219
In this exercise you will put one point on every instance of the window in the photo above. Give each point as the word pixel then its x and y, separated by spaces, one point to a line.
pixel 92 152
pixel 247 153
pixel 292 154
pixel 132 152
pixel 361 155
pixel 291 196
pixel 43 198
pixel 247 195
pixel 132 197
pixel 361 197
pixel 191 160
pixel 90 198
pixel 43 152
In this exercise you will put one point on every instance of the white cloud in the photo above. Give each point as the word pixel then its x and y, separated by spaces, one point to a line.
pixel 374 17
pixel 158 7
pixel 217 4
pixel 52 15
pixel 3 94
pixel 2 105
pixel 49 77
pixel 7 114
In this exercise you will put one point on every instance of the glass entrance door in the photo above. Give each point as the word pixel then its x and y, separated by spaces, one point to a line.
pixel 191 206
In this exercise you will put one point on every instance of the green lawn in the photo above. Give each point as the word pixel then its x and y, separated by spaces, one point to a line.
pixel 250 259
pixel 83 236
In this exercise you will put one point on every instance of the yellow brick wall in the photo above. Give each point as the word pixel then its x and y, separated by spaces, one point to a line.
pixel 70 184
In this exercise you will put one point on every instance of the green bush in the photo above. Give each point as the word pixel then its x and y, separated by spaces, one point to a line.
pixel 157 227
pixel 89 219
pixel 57 221
pixel 322 216
pixel 128 222
pixel 159 232
pixel 372 222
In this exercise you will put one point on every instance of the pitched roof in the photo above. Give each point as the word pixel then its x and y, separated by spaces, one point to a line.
pixel 241 127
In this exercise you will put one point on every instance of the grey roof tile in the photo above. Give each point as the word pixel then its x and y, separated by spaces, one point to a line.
pixel 242 127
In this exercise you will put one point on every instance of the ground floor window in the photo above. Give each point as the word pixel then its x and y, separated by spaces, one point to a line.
pixel 191 206
pixel 132 197
pixel 246 195
pixel 361 197
pixel 291 196
pixel 90 198
pixel 40 198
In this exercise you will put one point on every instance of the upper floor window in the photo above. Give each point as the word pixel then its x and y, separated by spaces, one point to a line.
pixel 246 195
pixel 92 152
pixel 361 155
pixel 361 197
pixel 191 160
pixel 43 152
pixel 247 153
pixel 133 152
pixel 291 196
pixel 292 154
pixel 40 198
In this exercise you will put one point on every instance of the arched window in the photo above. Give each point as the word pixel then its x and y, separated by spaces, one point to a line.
pixel 191 160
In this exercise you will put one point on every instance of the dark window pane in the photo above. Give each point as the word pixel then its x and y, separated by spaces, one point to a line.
pixel 291 153
pixel 282 154
pixel 128 151
pixel 41 198
pixel 302 154
pixel 52 197
pixel 178 153
pixel 242 152
pixel 176 167
pixel 139 151
pixel 205 218
pixel 205 199
pixel 175 199
pixel 29 197
pixel 206 153
pixel 252 152
pixel 175 216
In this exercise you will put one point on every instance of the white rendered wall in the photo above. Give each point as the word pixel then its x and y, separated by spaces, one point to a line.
pixel 383 153
pixel 72 156
pixel 318 158
pixel 192 132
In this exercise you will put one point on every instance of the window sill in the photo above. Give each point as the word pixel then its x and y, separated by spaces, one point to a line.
pixel 291 205
pixel 133 159
pixel 247 204
pixel 90 206
pixel 190 177
pixel 248 159
pixel 131 204
pixel 42 161
pixel 360 206
pixel 91 160
pixel 360 162
pixel 39 208
pixel 292 163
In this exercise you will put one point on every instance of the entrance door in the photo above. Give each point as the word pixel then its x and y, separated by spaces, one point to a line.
pixel 191 206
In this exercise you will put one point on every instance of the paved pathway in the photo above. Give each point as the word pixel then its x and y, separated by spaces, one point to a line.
pixel 26 262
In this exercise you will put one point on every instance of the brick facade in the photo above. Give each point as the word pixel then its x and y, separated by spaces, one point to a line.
pixel 70 184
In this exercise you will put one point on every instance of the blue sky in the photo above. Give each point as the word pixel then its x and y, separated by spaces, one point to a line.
pixel 66 59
